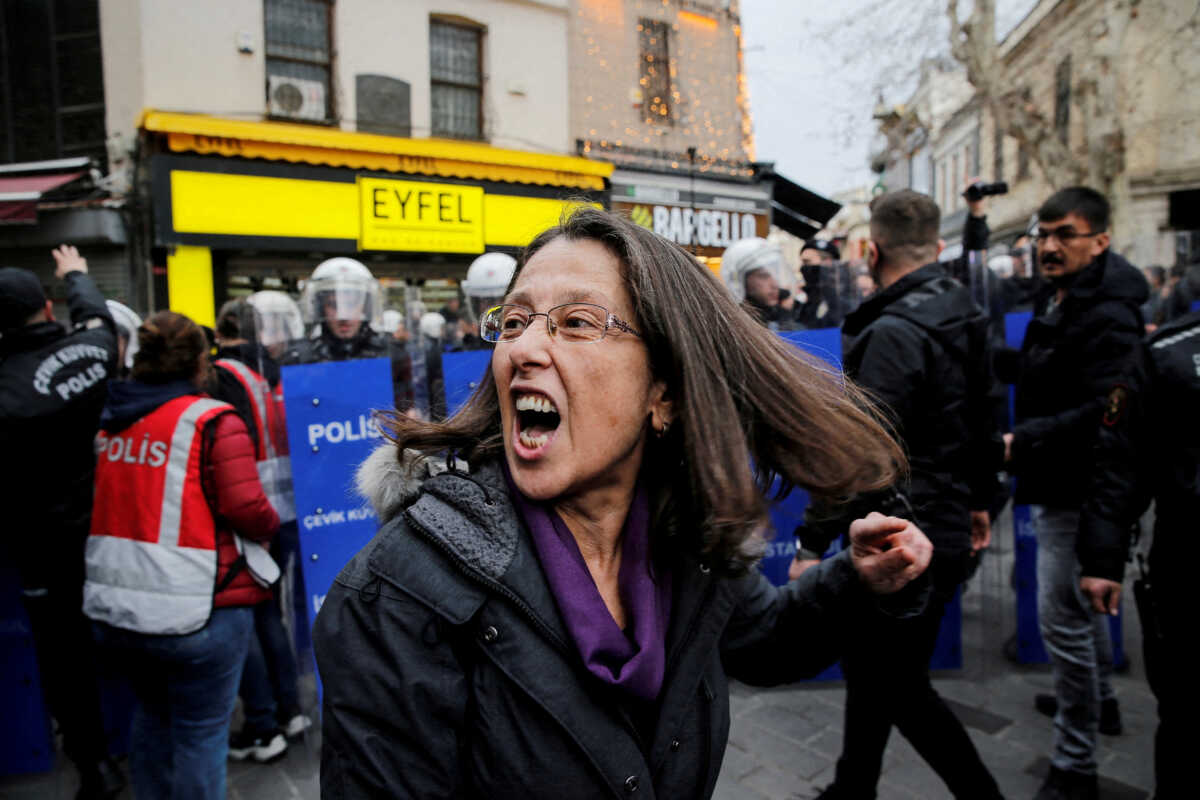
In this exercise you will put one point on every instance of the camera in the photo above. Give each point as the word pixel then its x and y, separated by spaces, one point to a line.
pixel 978 191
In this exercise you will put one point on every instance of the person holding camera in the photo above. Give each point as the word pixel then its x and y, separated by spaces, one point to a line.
pixel 1087 328
pixel 53 379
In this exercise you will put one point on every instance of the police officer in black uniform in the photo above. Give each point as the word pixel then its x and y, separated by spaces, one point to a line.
pixel 340 300
pixel 52 388
pixel 1149 447
pixel 920 346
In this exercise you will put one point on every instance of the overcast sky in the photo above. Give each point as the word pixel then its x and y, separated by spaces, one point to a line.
pixel 813 68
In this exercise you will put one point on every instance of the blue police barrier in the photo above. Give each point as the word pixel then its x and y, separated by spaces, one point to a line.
pixel 331 430
pixel 461 373
pixel 1030 649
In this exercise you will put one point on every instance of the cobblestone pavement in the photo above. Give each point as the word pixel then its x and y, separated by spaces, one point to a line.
pixel 784 742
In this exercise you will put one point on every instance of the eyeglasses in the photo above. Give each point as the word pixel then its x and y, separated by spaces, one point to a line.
pixel 1065 235
pixel 571 322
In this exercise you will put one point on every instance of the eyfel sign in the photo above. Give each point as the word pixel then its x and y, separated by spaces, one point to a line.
pixel 426 217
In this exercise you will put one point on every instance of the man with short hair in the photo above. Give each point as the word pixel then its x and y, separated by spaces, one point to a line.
pixel 1085 333
pixel 919 345
pixel 53 383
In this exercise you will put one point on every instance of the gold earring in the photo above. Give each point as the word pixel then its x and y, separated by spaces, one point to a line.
pixel 661 432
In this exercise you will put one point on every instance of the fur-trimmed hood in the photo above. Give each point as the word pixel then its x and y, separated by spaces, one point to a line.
pixel 391 483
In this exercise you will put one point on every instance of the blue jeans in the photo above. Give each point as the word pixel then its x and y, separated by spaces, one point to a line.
pixel 269 676
pixel 1076 639
pixel 186 687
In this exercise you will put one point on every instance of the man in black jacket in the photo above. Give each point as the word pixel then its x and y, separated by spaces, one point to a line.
pixel 1087 328
pixel 1149 447
pixel 920 346
pixel 52 387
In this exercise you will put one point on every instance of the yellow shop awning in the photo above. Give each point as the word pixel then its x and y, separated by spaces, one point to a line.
pixel 309 144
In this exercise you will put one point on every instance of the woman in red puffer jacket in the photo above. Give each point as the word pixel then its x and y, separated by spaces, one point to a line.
pixel 175 561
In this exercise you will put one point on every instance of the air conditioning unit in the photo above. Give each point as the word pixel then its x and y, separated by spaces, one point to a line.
pixel 295 98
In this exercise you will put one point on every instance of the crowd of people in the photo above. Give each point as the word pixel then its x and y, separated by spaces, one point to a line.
pixel 564 583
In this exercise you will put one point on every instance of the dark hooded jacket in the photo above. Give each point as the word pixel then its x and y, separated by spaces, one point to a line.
pixel 1073 353
pixel 448 671
pixel 920 347
pixel 1148 448
pixel 52 387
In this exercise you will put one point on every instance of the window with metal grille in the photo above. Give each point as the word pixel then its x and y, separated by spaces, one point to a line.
pixel 51 81
pixel 299 59
pixel 456 80
pixel 655 70
pixel 1062 99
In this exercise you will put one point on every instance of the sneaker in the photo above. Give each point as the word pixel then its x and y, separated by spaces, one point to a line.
pixel 260 747
pixel 1110 712
pixel 297 724
pixel 1063 785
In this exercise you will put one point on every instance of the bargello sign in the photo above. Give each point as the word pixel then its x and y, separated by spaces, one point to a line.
pixel 706 231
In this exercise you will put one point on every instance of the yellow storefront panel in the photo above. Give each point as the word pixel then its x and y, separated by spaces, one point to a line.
pixel 316 144
pixel 420 217
pixel 514 221
pixel 190 283
pixel 250 205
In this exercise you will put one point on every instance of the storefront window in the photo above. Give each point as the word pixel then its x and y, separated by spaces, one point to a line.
pixel 456 80
pixel 298 59
pixel 51 81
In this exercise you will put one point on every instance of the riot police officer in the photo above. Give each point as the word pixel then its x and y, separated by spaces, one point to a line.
pixel 1149 447
pixel 52 387
pixel 486 282
pixel 756 275
pixel 343 304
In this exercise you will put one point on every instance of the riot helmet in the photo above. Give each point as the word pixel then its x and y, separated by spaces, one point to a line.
pixel 391 321
pixel 433 326
pixel 746 257
pixel 279 320
pixel 127 322
pixel 342 297
pixel 487 280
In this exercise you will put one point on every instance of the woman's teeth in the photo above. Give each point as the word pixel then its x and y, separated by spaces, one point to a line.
pixel 534 442
pixel 536 402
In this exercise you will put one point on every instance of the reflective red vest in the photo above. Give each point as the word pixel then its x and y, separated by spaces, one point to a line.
pixel 152 549
pixel 274 467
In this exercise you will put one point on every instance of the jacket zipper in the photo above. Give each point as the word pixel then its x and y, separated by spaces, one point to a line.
pixel 488 583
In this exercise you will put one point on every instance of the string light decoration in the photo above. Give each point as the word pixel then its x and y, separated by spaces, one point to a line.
pixel 628 111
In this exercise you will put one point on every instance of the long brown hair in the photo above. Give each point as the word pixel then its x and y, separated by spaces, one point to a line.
pixel 748 406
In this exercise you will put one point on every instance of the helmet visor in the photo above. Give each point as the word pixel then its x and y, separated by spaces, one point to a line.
pixel 347 303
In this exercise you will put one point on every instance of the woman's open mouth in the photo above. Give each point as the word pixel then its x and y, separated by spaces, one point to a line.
pixel 537 422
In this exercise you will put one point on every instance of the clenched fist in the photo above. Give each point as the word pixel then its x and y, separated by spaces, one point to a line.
pixel 888 552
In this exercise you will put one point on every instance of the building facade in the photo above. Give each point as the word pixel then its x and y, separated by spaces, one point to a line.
pixel 658 90
pixel 248 141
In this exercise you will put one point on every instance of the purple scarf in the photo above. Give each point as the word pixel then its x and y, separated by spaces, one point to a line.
pixel 633 660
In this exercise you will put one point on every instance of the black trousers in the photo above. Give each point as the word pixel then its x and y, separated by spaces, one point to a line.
pixel 1168 624
pixel 887 684
pixel 67 664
